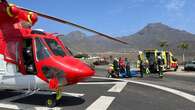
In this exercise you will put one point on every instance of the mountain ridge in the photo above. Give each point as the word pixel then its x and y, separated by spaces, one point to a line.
pixel 148 37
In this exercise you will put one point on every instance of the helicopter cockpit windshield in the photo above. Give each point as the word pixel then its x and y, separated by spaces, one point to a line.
pixel 55 47
pixel 41 50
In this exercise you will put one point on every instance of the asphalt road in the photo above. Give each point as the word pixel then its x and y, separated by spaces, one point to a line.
pixel 180 80
pixel 109 94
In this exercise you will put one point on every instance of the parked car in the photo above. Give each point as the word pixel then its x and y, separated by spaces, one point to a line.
pixel 189 66
pixel 101 62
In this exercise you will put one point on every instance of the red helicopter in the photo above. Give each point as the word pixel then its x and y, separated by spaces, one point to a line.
pixel 36 60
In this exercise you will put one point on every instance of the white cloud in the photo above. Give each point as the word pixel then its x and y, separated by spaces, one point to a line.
pixel 175 5
pixel 126 5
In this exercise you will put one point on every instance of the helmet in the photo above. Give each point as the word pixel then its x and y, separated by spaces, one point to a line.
pixel 111 65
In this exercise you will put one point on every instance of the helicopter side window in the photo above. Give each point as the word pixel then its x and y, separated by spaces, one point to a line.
pixel 55 47
pixel 41 50
pixel 28 56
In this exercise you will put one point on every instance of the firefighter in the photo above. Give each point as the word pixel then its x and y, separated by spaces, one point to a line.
pixel 128 72
pixel 141 67
pixel 110 70
pixel 160 65
pixel 146 67
pixel 116 66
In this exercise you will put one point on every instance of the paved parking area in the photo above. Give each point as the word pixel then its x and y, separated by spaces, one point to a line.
pixel 100 94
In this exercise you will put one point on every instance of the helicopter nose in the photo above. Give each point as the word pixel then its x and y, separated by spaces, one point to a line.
pixel 77 71
pixel 86 71
pixel 82 72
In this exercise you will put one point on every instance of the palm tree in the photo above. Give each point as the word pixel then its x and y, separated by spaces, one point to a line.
pixel 184 46
pixel 164 45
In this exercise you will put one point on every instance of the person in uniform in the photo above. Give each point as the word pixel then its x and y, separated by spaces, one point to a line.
pixel 128 72
pixel 160 65
pixel 116 66
pixel 141 66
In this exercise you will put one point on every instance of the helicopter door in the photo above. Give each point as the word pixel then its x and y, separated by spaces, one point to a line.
pixel 28 57
pixel 41 54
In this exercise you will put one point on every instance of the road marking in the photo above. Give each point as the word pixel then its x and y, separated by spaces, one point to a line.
pixel 173 91
pixel 187 74
pixel 102 103
pixel 63 93
pixel 170 90
pixel 25 107
pixel 94 83
pixel 118 87
pixel 45 108
pixel 73 94
pixel 9 106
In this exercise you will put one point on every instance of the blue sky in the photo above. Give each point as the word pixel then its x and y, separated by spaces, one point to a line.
pixel 114 17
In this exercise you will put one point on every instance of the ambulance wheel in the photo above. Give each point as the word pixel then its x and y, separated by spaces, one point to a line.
pixel 51 102
pixel 176 68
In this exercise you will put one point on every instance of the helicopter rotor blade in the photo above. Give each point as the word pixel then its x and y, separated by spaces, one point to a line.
pixel 74 25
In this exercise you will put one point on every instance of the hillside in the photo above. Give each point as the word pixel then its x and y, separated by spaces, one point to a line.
pixel 147 38
pixel 152 34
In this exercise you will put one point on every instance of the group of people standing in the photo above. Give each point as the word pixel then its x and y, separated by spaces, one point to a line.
pixel 144 65
pixel 120 67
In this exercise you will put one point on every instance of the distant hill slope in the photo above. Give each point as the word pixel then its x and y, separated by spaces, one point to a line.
pixel 152 34
pixel 81 42
pixel 147 38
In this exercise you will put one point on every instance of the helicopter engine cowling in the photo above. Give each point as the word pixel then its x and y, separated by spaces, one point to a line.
pixel 32 18
pixel 12 10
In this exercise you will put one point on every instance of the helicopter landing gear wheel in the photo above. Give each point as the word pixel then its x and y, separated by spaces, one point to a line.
pixel 54 99
pixel 51 102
